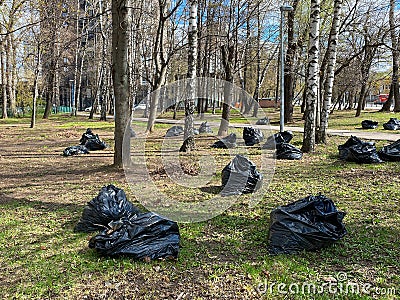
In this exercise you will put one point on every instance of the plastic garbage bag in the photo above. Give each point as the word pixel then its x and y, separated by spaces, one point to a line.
pixel 277 138
pixel 252 136
pixel 92 141
pixel 109 205
pixel 144 236
pixel 307 224
pixel 369 124
pixel 390 152
pixel 240 177
pixel 205 128
pixel 358 151
pixel 95 143
pixel 263 121
pixel 75 150
pixel 288 151
pixel 87 136
pixel 392 124
pixel 174 131
pixel 227 142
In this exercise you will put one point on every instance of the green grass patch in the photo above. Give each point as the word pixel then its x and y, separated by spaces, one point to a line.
pixel 43 195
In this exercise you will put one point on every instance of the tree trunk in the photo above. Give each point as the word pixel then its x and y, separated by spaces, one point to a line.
pixel 3 80
pixel 9 74
pixel 289 76
pixel 35 87
pixel 120 35
pixel 256 94
pixel 189 143
pixel 395 56
pixel 227 61
pixel 330 74
pixel 313 78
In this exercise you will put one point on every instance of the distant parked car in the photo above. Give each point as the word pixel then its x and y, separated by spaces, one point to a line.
pixel 382 98
pixel 140 106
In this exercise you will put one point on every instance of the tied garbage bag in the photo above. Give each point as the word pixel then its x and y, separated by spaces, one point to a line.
pixel 288 151
pixel 146 236
pixel 355 150
pixel 87 136
pixel 75 150
pixel 92 141
pixel 369 124
pixel 240 177
pixel 205 128
pixel 263 121
pixel 174 131
pixel 227 142
pixel 95 144
pixel 109 205
pixel 390 152
pixel 252 136
pixel 392 124
pixel 307 224
pixel 278 138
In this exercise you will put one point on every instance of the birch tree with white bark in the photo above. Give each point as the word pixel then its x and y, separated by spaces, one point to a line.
pixel 312 79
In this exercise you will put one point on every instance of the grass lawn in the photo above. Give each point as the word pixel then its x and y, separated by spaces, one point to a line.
pixel 42 195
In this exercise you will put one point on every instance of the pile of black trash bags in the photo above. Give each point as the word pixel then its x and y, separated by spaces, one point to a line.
pixel 392 124
pixel 88 142
pixel 251 137
pixel 125 230
pixel 356 150
pixel 308 224
pixel 177 130
pixel 227 142
pixel 284 150
pixel 369 124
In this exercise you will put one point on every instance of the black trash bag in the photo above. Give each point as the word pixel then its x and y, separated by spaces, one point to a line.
pixel 75 150
pixel 87 136
pixel 288 151
pixel 109 205
pixel 308 224
pixel 144 236
pixel 390 152
pixel 205 128
pixel 227 142
pixel 263 121
pixel 392 124
pixel 95 143
pixel 252 136
pixel 174 131
pixel 355 150
pixel 369 124
pixel 240 177
pixel 277 138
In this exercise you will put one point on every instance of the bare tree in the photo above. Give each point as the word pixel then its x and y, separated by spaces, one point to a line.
pixel 395 39
pixel 189 142
pixel 330 76
pixel 313 78
pixel 120 71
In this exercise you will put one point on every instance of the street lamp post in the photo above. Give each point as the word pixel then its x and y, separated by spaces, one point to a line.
pixel 284 8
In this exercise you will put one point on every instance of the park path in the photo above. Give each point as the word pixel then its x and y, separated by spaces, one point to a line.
pixel 360 133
